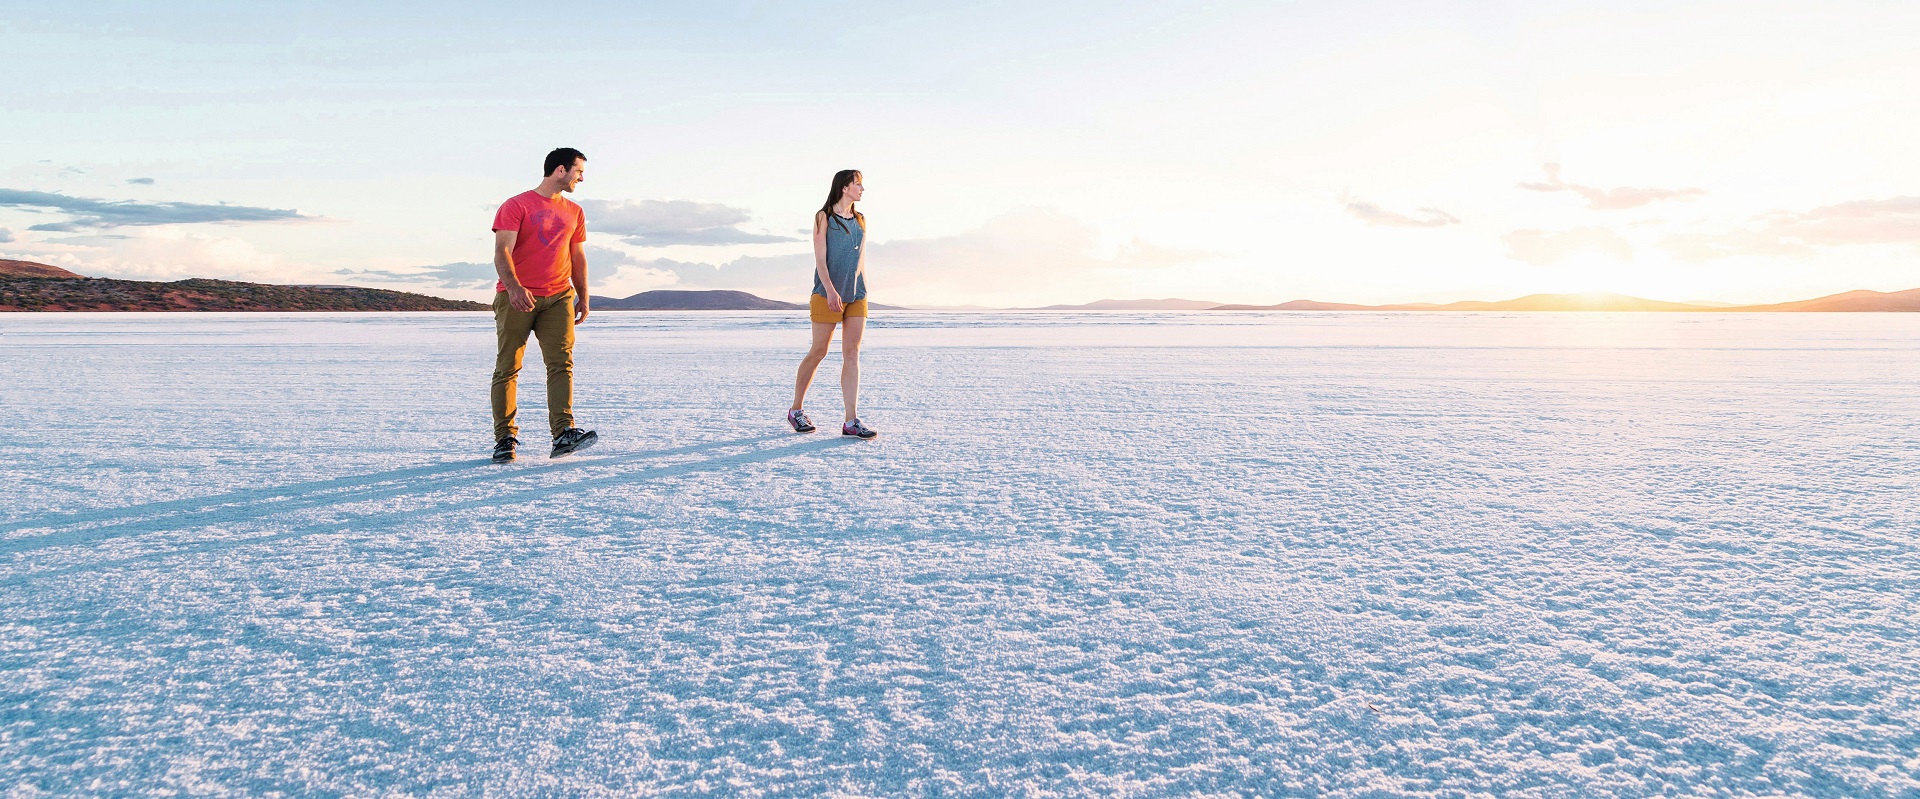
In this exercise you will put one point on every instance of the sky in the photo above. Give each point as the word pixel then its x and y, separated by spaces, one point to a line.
pixel 1015 154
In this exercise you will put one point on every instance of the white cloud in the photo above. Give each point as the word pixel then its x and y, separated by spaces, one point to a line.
pixel 787 277
pixel 170 253
pixel 1026 257
pixel 459 275
pixel 86 213
pixel 1610 199
pixel 1375 215
pixel 626 281
pixel 1032 256
pixel 609 271
pixel 1895 220
pixel 665 223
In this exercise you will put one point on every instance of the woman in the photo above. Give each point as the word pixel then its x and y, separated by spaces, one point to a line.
pixel 839 297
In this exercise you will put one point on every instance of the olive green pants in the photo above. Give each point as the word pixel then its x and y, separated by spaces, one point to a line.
pixel 551 322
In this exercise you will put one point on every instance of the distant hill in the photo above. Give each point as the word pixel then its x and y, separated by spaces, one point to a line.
pixel 672 300
pixel 710 300
pixel 1169 304
pixel 1600 301
pixel 31 269
pixel 75 293
pixel 1592 301
pixel 1852 301
pixel 1304 305
pixel 675 300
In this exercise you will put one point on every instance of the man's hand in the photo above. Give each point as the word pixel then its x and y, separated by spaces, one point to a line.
pixel 519 298
pixel 517 295
pixel 579 277
pixel 833 301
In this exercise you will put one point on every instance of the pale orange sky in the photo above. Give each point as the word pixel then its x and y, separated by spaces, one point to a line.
pixel 1364 152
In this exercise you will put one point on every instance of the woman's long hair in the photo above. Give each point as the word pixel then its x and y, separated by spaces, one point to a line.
pixel 840 181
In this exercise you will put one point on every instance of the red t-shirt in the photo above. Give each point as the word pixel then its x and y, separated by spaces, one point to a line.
pixel 543 252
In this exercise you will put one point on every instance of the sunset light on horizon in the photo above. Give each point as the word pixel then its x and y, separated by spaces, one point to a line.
pixel 1345 400
pixel 1017 155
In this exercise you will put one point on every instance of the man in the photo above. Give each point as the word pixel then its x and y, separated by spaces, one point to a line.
pixel 537 241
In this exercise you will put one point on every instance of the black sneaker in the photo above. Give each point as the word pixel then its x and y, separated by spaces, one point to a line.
pixel 503 449
pixel 855 428
pixel 572 440
pixel 798 418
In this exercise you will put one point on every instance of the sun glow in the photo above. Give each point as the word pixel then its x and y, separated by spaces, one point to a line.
pixel 1593 274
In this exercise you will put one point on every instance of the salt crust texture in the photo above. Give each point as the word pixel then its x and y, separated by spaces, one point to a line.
pixel 1332 555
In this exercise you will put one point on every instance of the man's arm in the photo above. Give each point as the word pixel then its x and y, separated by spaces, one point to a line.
pixel 579 256
pixel 517 295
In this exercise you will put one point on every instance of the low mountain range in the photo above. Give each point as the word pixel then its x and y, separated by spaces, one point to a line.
pixel 710 300
pixel 1908 300
pixel 31 269
pixel 670 300
pixel 1169 304
pixel 29 286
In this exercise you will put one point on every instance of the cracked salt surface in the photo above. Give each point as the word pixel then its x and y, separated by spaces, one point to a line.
pixel 1339 555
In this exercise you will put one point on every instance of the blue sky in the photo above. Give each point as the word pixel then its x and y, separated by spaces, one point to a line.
pixel 1015 154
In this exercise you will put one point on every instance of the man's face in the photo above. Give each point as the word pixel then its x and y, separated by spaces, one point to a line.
pixel 571 176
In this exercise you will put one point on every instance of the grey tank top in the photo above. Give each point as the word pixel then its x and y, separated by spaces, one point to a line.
pixel 844 238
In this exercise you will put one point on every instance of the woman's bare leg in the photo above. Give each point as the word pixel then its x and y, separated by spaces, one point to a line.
pixel 822 336
pixel 856 326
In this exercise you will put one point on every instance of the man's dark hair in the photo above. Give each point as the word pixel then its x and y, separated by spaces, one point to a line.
pixel 564 156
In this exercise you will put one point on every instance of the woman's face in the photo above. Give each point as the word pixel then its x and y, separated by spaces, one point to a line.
pixel 854 190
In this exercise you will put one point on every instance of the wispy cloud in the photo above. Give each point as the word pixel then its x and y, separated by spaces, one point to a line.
pixel 1545 247
pixel 140 181
pixel 613 273
pixel 1033 255
pixel 1609 199
pixel 1375 215
pixel 617 274
pixel 1035 251
pixel 459 275
pixel 6 236
pixel 168 252
pixel 662 223
pixel 1895 220
pixel 89 214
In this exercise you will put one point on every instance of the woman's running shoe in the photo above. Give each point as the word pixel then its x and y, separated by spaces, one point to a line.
pixel 798 418
pixel 855 428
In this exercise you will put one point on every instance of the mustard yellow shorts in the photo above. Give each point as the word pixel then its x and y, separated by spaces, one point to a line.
pixel 817 307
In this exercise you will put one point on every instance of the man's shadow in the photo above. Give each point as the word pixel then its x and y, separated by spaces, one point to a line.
pixel 254 504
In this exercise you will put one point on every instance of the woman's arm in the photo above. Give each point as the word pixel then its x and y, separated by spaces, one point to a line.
pixel 820 261
pixel 860 266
